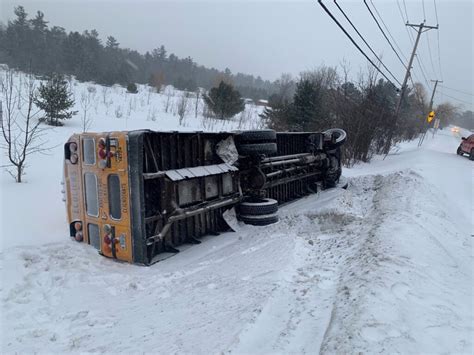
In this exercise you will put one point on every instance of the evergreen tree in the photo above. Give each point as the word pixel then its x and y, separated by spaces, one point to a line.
pixel 224 101
pixel 55 100
pixel 18 40
pixel 132 88
pixel 304 105
pixel 277 113
pixel 39 48
pixel 39 24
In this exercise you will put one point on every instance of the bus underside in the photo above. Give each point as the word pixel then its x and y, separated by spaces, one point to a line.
pixel 181 183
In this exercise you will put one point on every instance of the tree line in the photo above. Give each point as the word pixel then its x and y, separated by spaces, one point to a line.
pixel 365 109
pixel 32 45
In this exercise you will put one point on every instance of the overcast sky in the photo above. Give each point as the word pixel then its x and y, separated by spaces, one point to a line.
pixel 268 38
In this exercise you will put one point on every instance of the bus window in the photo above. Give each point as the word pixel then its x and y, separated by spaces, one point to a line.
pixel 88 148
pixel 93 232
pixel 92 197
pixel 113 182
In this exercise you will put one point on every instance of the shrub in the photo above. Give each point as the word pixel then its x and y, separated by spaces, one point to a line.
pixel 132 88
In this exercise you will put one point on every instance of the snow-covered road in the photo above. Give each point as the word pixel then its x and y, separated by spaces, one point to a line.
pixel 385 266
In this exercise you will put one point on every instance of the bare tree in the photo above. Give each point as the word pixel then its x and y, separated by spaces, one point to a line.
pixel 168 99
pixel 22 136
pixel 156 81
pixel 286 87
pixel 118 111
pixel 182 108
pixel 108 103
pixel 196 105
pixel 86 104
pixel 151 114
pixel 446 113
pixel 105 94
pixel 148 98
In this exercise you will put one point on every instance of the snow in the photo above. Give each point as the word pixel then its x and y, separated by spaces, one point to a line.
pixel 382 267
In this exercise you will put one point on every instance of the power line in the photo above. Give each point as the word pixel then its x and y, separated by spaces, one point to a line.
pixel 429 50
pixel 460 91
pixel 405 21
pixel 423 72
pixel 388 30
pixel 455 98
pixel 436 11
pixel 439 57
pixel 353 42
pixel 412 40
pixel 378 24
pixel 421 28
pixel 437 33
pixel 363 39
pixel 424 12
pixel 406 12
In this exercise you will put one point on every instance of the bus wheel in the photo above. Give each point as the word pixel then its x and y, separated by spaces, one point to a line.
pixel 255 150
pixel 260 136
pixel 259 211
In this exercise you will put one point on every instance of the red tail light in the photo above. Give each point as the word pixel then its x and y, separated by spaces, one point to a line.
pixel 74 158
pixel 79 236
pixel 73 147
pixel 102 153
pixel 78 226
pixel 107 228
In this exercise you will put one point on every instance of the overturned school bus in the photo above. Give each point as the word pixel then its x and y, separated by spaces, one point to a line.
pixel 136 195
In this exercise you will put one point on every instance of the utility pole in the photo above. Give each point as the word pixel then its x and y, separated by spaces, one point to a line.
pixel 423 134
pixel 421 28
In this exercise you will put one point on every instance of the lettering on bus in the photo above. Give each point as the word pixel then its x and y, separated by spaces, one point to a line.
pixel 75 198
pixel 118 154
pixel 123 188
pixel 102 193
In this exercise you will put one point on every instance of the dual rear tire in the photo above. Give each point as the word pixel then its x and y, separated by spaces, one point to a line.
pixel 256 143
pixel 259 212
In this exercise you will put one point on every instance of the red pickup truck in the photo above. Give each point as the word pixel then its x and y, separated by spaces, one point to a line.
pixel 467 146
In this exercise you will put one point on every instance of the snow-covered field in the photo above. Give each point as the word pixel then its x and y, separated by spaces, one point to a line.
pixel 385 266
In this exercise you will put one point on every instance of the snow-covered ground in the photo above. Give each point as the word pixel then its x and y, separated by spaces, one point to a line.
pixel 385 266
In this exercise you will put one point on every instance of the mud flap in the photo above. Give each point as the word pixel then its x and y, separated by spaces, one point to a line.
pixel 230 217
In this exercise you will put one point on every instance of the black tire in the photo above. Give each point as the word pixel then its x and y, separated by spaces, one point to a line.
pixel 257 149
pixel 263 220
pixel 341 137
pixel 471 154
pixel 459 151
pixel 260 207
pixel 260 136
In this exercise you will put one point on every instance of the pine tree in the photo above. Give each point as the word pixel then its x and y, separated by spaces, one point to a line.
pixel 18 42
pixel 278 113
pixel 55 100
pixel 38 36
pixel 112 43
pixel 224 101
pixel 132 88
pixel 307 106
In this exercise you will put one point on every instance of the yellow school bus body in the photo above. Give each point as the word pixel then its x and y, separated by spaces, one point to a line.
pixel 74 179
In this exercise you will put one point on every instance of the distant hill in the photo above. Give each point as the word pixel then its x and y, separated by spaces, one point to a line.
pixel 34 45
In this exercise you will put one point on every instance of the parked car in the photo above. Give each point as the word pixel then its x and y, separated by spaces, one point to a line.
pixel 467 146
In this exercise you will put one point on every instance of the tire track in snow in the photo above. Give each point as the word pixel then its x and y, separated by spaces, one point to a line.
pixel 297 314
